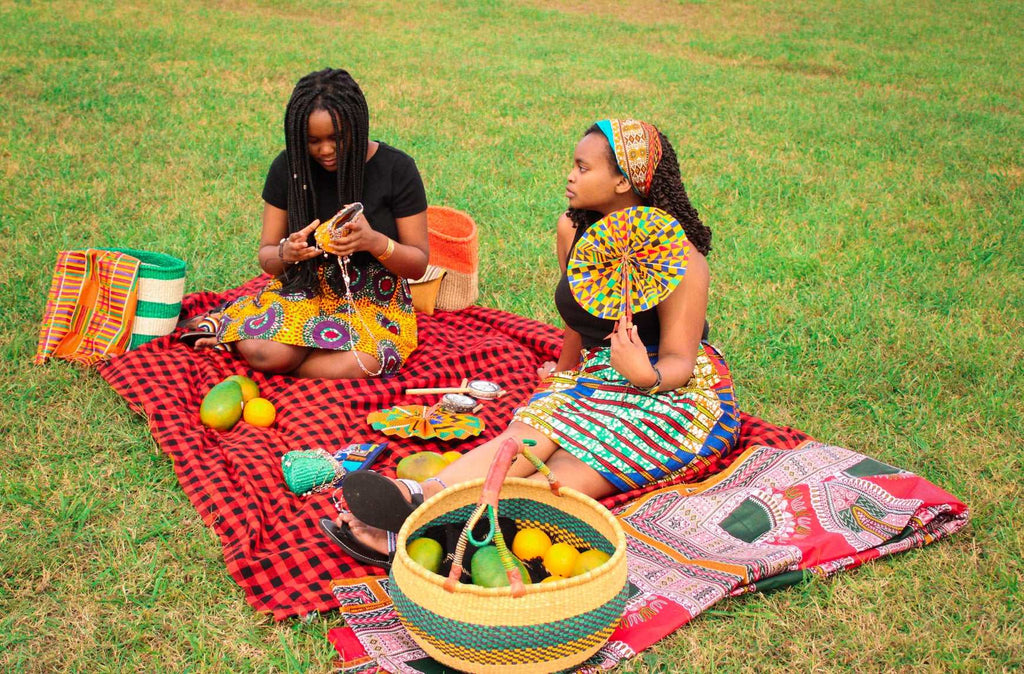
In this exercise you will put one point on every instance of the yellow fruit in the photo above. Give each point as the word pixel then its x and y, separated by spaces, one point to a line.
pixel 426 552
pixel 249 388
pixel 589 560
pixel 259 412
pixel 451 456
pixel 420 466
pixel 551 579
pixel 222 406
pixel 560 559
pixel 530 543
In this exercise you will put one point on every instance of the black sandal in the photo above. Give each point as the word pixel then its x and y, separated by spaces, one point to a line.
pixel 377 501
pixel 342 535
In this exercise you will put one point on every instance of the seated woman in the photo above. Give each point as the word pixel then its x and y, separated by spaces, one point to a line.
pixel 309 321
pixel 628 403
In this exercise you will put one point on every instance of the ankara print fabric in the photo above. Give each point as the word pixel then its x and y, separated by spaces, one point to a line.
pixel 633 438
pixel 384 325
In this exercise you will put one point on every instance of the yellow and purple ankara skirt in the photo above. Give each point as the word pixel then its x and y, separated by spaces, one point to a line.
pixel 382 324
pixel 630 437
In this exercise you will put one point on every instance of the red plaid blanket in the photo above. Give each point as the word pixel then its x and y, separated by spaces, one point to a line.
pixel 272 546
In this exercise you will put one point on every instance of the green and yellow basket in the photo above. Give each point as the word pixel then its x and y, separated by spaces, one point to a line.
pixel 550 626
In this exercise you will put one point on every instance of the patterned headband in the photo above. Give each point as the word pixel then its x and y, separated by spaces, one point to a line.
pixel 637 148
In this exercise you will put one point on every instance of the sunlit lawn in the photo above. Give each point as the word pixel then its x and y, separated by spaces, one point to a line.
pixel 861 165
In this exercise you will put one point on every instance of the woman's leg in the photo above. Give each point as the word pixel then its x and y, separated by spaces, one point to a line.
pixel 476 462
pixel 328 364
pixel 573 473
pixel 473 464
pixel 271 357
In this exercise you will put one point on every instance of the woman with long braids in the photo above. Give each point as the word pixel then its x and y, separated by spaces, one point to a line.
pixel 343 310
pixel 629 402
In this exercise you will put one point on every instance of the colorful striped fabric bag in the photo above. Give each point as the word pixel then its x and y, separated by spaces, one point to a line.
pixel 90 308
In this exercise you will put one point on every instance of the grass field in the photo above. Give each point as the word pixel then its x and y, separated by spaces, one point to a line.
pixel 860 163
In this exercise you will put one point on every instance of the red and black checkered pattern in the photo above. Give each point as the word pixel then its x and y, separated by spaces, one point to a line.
pixel 272 545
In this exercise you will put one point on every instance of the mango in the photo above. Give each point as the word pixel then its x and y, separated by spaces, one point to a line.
pixel 420 466
pixel 249 388
pixel 487 570
pixel 222 406
pixel 427 553
pixel 588 561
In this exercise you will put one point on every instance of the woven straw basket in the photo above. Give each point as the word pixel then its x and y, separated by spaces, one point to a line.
pixel 454 247
pixel 161 287
pixel 552 626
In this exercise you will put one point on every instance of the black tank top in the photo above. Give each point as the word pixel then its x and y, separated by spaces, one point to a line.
pixel 594 330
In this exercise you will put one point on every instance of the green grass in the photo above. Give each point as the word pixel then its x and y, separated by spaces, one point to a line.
pixel 861 165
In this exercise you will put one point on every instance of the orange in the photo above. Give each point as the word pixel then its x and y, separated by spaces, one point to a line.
pixel 249 388
pixel 259 412
pixel 560 559
pixel 551 579
pixel 530 543
pixel 589 560
pixel 452 456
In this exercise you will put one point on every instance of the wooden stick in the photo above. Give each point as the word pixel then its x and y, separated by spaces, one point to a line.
pixel 461 388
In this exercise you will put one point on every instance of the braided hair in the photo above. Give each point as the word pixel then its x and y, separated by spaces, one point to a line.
pixel 337 93
pixel 667 193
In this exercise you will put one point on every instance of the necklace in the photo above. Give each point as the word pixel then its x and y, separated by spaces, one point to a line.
pixel 350 302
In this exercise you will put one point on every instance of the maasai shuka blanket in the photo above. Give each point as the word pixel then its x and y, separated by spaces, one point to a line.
pixel 782 511
pixel 272 545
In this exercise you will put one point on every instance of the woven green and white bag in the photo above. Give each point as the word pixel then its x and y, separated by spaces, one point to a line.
pixel 161 287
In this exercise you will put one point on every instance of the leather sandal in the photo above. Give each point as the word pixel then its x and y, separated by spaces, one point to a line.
pixel 377 501
pixel 342 535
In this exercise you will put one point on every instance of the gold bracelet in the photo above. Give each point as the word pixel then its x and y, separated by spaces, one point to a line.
pixel 388 251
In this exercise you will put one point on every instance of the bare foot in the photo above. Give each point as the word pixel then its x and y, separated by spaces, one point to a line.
pixel 370 537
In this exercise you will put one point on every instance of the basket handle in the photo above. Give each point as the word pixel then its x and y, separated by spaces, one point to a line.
pixel 509 449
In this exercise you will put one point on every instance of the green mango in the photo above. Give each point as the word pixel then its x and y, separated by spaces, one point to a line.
pixel 222 406
pixel 487 570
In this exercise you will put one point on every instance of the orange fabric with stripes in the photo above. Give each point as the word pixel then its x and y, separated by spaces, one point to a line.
pixel 90 308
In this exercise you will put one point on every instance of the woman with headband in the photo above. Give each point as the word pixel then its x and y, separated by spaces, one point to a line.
pixel 631 402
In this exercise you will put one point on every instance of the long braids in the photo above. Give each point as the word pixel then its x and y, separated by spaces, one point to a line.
pixel 667 193
pixel 336 92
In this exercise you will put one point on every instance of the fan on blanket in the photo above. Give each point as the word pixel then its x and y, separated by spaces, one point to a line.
pixel 420 421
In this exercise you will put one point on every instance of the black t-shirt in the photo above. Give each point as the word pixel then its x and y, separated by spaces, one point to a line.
pixel 392 188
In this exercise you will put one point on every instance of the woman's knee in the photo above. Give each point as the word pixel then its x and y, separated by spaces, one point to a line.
pixel 271 357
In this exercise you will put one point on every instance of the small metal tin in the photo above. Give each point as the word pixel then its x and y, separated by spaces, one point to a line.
pixel 485 390
pixel 458 403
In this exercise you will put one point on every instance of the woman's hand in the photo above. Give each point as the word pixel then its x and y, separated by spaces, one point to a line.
pixel 296 248
pixel 354 236
pixel 629 355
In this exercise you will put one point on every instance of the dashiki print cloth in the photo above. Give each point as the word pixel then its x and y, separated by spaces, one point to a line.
pixel 385 326
pixel 771 519
pixel 633 438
